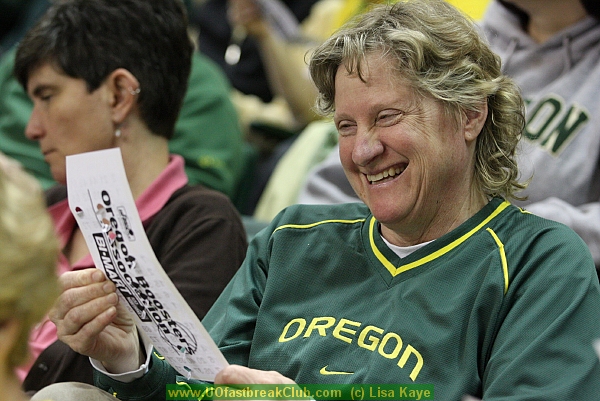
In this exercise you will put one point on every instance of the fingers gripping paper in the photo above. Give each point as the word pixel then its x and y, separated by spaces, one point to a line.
pixel 102 203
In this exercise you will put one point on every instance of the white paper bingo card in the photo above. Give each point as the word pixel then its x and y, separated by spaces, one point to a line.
pixel 102 203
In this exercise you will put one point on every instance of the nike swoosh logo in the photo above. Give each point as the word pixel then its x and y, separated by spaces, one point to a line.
pixel 324 371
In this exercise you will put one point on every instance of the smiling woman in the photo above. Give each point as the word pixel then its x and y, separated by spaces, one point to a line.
pixel 436 279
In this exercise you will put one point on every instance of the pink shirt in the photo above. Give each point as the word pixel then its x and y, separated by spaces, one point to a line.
pixel 150 202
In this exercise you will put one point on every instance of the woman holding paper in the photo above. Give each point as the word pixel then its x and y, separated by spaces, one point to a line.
pixel 105 74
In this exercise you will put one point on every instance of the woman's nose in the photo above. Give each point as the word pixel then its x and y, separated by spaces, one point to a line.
pixel 34 129
pixel 367 147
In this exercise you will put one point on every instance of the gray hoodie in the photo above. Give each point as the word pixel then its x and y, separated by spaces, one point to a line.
pixel 560 81
pixel 560 150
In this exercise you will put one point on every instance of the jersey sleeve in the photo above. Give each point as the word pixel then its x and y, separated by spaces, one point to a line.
pixel 550 317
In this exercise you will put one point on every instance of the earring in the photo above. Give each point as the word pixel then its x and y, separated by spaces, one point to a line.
pixel 134 91
pixel 118 133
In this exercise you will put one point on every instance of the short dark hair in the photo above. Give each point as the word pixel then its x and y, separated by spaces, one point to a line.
pixel 89 39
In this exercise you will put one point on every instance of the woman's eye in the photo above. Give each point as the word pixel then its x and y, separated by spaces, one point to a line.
pixel 389 118
pixel 345 128
pixel 44 96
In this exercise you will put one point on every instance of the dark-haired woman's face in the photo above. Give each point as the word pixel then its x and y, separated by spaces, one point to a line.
pixel 67 119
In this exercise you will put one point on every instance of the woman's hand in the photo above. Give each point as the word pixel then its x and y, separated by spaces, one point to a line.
pixel 235 375
pixel 90 320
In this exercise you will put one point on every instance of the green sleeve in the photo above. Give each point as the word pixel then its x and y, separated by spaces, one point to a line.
pixel 208 134
pixel 542 348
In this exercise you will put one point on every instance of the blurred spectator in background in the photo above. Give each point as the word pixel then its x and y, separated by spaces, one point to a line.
pixel 283 52
pixel 16 16
pixel 215 35
pixel 28 282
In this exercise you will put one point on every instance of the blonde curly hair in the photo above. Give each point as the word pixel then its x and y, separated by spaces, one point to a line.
pixel 28 255
pixel 439 52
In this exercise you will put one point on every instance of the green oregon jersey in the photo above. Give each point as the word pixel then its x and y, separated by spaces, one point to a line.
pixel 504 307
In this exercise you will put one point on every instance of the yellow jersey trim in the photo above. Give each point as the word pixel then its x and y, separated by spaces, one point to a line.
pixel 502 258
pixel 394 271
pixel 311 225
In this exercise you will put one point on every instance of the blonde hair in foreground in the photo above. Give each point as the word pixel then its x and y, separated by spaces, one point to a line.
pixel 28 256
pixel 439 52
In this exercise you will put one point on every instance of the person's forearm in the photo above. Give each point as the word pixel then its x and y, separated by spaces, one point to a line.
pixel 288 75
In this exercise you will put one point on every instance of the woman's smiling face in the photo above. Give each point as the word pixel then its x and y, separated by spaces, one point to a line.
pixel 405 157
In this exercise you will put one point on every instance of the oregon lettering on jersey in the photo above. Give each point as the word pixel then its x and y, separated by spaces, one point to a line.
pixel 375 339
pixel 553 124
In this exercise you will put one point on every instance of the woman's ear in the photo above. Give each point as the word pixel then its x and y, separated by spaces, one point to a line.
pixel 475 120
pixel 124 89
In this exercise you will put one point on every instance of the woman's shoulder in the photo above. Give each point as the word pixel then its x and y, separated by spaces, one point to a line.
pixel 198 197
pixel 194 207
